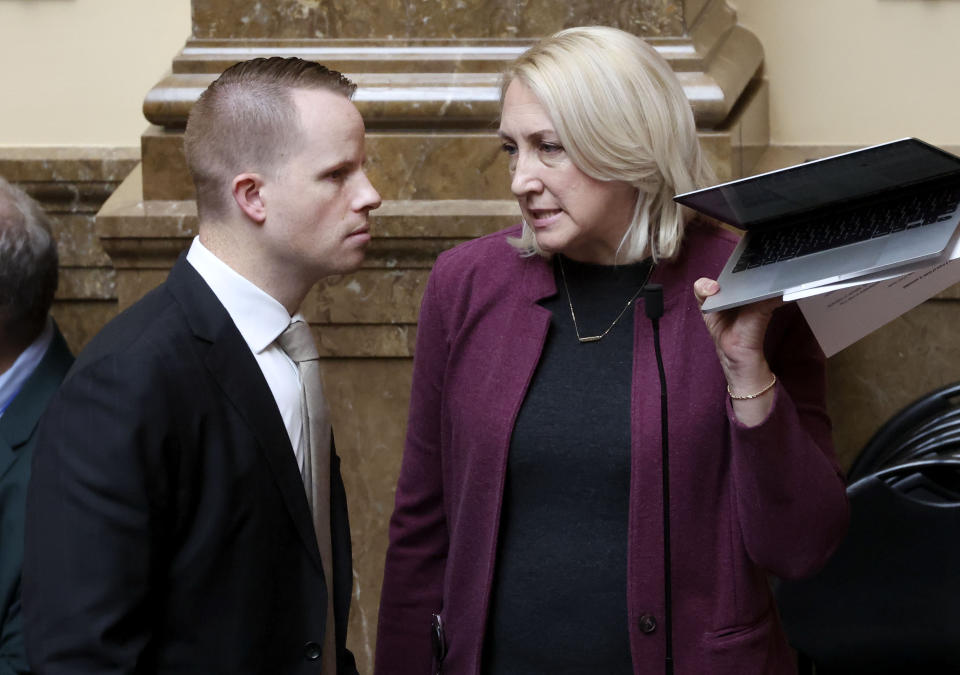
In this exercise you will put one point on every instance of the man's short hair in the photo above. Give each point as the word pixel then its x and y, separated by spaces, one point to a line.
pixel 247 120
pixel 28 264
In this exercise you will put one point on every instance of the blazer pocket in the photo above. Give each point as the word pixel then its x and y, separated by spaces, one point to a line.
pixel 743 638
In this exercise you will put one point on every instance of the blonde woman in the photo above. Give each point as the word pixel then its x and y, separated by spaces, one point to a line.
pixel 529 530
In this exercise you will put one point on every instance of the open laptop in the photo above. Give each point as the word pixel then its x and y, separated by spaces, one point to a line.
pixel 889 207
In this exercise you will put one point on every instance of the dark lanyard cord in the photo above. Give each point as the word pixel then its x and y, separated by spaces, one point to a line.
pixel 653 307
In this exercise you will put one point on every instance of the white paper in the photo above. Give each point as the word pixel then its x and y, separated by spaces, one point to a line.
pixel 842 316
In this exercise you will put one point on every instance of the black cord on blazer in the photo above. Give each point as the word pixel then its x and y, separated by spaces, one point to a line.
pixel 653 307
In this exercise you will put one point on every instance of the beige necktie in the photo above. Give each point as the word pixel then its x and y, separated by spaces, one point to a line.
pixel 297 342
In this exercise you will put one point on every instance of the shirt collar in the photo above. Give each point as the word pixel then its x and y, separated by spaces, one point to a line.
pixel 259 317
pixel 13 378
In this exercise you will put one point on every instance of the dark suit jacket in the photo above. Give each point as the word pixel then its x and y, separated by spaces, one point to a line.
pixel 167 526
pixel 18 428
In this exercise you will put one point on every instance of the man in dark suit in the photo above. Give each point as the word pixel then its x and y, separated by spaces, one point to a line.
pixel 33 360
pixel 168 529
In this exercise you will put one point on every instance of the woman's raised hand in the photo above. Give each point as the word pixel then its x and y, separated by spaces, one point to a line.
pixel 738 334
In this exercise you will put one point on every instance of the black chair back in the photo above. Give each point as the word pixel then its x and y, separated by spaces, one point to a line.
pixel 888 602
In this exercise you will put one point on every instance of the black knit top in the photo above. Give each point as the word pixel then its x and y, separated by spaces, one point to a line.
pixel 559 598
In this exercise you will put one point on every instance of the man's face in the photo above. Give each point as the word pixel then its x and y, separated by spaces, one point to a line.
pixel 318 200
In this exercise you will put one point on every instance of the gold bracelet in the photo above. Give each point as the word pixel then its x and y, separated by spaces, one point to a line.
pixel 763 391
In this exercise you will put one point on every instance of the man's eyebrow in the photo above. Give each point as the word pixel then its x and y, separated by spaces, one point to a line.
pixel 344 161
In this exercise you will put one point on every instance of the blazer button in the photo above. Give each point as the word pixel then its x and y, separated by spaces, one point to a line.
pixel 312 651
pixel 648 623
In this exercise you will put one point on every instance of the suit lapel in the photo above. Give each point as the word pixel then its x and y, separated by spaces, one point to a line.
pixel 237 374
pixel 7 453
pixel 20 420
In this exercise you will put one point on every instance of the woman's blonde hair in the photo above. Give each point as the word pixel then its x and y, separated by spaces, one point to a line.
pixel 621 115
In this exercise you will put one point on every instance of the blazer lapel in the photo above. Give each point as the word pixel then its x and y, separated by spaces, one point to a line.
pixel 510 369
pixel 239 377
pixel 528 330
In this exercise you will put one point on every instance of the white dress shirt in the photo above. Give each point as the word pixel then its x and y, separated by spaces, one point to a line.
pixel 260 318
pixel 12 379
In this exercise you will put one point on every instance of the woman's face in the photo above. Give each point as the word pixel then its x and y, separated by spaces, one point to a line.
pixel 568 211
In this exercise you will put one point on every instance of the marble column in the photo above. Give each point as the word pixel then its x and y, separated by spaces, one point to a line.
pixel 72 184
pixel 427 72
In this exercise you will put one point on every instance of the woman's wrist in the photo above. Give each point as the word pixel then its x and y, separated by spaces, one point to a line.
pixel 747 377
pixel 751 392
pixel 742 396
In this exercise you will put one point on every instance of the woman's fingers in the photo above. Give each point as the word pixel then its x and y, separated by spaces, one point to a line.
pixel 703 288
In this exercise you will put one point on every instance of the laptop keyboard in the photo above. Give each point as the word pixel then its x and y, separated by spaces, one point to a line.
pixel 914 210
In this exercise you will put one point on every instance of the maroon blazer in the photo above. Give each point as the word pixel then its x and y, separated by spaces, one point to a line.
pixel 745 501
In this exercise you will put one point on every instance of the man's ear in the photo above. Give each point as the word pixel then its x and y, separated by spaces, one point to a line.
pixel 246 189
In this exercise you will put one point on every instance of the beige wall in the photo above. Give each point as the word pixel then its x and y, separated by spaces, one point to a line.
pixel 859 71
pixel 848 72
pixel 75 71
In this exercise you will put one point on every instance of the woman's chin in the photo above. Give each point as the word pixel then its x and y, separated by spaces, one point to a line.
pixel 549 242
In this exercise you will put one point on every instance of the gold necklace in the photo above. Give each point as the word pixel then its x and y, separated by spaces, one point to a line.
pixel 597 338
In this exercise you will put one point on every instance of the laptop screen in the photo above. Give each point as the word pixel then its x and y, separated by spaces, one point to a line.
pixel 817 184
